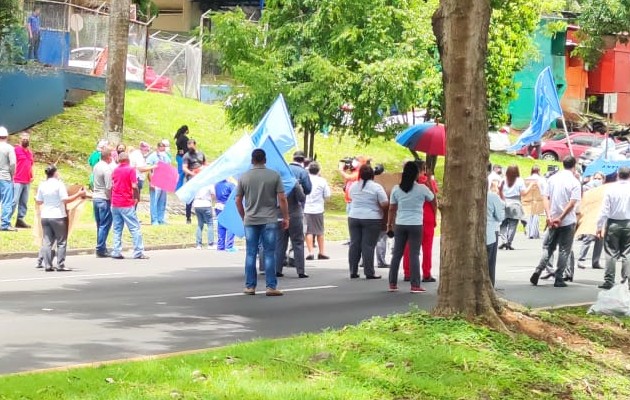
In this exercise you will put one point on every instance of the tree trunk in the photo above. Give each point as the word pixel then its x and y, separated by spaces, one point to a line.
pixel 118 39
pixel 309 141
pixel 461 29
pixel 311 147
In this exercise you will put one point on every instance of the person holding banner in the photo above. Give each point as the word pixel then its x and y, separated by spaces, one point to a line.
pixel 613 226
pixel 258 193
pixel 157 196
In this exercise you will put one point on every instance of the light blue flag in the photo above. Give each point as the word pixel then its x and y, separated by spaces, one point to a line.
pixel 546 110
pixel 233 162
pixel 277 125
pixel 230 218
pixel 604 166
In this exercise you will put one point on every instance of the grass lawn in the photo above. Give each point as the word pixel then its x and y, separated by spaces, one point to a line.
pixel 412 356
pixel 69 138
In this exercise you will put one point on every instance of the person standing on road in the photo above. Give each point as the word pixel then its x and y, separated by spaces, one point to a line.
pixel 205 218
pixel 7 170
pixel 192 162
pixel 33 27
pixel 157 196
pixel 406 208
pixel 261 190
pixel 225 239
pixel 513 189
pixel 365 218
pixel 52 198
pixel 560 197
pixel 314 212
pixel 181 142
pixel 495 215
pixel 613 226
pixel 125 196
pixel 22 179
pixel 101 201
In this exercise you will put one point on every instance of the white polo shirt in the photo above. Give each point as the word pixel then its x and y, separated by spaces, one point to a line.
pixel 561 188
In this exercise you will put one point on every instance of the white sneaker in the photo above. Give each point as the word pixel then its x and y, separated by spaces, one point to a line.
pixel 198 247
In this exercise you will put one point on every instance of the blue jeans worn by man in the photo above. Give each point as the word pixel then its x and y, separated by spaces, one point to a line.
pixel 103 218
pixel 253 234
pixel 204 218
pixel 157 206
pixel 20 199
pixel 6 203
pixel 122 216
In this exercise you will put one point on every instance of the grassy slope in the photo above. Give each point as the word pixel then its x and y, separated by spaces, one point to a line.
pixel 70 138
pixel 412 356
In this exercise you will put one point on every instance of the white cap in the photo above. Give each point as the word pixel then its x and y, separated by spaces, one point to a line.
pixel 165 142
pixel 4 132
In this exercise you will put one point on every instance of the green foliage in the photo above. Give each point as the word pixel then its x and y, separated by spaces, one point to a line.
pixel 146 9
pixel 10 49
pixel 323 54
pixel 599 20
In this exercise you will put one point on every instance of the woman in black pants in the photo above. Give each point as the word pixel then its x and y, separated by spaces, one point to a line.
pixel 406 207
pixel 368 200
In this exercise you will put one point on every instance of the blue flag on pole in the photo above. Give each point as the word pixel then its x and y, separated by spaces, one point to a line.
pixel 235 161
pixel 230 218
pixel 277 125
pixel 546 110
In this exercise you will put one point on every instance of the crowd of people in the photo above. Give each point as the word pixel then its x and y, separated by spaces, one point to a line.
pixel 405 212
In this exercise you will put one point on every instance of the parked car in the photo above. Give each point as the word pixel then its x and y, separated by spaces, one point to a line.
pixel 557 147
pixel 84 59
pixel 622 151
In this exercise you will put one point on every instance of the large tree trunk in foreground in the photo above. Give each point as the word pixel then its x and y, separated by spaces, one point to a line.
pixel 461 29
pixel 118 39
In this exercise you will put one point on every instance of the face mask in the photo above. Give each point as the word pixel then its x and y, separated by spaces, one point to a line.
pixel 25 143
pixel 597 182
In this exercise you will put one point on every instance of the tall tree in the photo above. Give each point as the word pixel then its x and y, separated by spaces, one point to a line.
pixel 461 29
pixel 118 41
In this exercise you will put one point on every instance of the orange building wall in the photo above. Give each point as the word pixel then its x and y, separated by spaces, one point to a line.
pixel 577 81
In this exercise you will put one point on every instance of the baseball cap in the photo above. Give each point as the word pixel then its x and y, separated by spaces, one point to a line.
pixel 165 142
pixel 4 132
pixel 299 155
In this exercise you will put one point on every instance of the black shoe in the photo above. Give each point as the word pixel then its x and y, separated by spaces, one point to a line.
pixel 383 266
pixel 534 278
pixel 309 258
pixel 547 276
pixel 606 286
pixel 63 269
pixel 568 279
pixel 509 247
pixel 49 269
pixel 21 224
pixel 322 257
pixel 503 246
pixel 429 279
pixel 302 276
pixel 103 255
pixel 118 257
pixel 39 266
pixel 354 276
pixel 279 274
pixel 188 221
pixel 558 283
pixel 373 277
pixel 597 266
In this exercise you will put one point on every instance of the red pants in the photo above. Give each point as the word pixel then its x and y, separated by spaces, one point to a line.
pixel 428 231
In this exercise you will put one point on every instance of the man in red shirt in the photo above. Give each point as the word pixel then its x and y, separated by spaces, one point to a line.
pixel 125 195
pixel 22 179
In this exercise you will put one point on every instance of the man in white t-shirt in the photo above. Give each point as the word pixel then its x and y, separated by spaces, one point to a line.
pixel 314 212
pixel 560 198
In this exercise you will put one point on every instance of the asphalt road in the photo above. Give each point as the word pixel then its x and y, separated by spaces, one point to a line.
pixel 189 299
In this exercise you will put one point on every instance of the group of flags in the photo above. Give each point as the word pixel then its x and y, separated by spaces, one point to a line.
pixel 275 135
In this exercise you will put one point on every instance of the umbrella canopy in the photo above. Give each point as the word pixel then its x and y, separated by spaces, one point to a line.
pixel 427 137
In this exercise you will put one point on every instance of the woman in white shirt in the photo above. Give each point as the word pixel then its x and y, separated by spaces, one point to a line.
pixel 512 188
pixel 314 212
pixel 51 199
pixel 406 209
pixel 205 216
pixel 368 200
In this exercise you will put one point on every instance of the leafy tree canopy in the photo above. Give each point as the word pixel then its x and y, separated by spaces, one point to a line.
pixel 601 20
pixel 9 21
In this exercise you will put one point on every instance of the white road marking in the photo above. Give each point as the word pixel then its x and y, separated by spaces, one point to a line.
pixel 64 276
pixel 216 296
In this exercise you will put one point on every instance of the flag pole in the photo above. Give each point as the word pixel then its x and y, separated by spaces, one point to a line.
pixel 566 132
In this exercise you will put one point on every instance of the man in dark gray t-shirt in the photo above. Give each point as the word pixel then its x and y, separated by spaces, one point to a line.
pixel 258 193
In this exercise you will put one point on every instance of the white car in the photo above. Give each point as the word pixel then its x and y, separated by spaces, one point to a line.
pixel 84 59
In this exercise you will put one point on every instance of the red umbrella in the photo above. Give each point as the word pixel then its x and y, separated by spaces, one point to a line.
pixel 427 137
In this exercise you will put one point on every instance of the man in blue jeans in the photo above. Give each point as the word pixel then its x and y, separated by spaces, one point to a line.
pixel 101 201
pixel 125 196
pixel 7 170
pixel 262 191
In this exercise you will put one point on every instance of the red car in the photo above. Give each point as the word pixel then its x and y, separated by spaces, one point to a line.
pixel 557 147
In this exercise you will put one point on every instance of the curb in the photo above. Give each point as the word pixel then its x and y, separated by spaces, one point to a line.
pixel 82 252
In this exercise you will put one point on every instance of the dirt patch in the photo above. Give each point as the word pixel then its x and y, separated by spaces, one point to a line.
pixel 613 334
pixel 556 335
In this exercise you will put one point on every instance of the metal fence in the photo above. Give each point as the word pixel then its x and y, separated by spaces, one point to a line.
pixel 178 59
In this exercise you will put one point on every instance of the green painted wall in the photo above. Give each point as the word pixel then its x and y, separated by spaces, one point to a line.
pixel 551 52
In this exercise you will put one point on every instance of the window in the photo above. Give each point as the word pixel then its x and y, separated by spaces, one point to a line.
pixel 582 141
